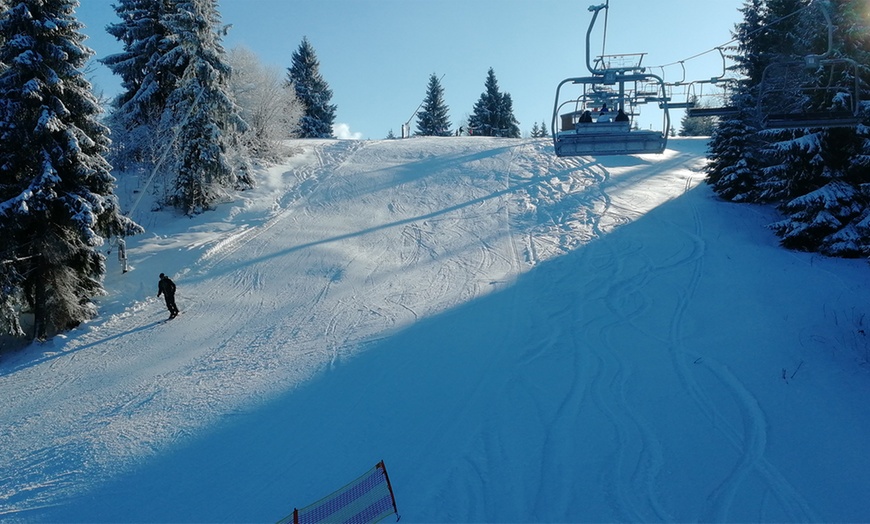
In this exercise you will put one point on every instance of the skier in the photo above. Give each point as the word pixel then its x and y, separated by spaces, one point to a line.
pixel 604 114
pixel 166 287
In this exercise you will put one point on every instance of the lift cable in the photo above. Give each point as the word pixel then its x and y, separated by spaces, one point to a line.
pixel 726 44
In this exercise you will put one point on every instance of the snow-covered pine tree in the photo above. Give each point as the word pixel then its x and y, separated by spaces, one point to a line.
pixel 536 132
pixel 486 108
pixel 791 165
pixel 146 77
pixel 734 167
pixel 490 117
pixel 508 125
pixel 543 131
pixel 819 175
pixel 313 91
pixel 432 119
pixel 696 126
pixel 201 110
pixel 56 192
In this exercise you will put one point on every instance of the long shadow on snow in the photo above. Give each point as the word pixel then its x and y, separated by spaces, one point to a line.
pixel 373 229
pixel 435 165
pixel 12 367
pixel 416 170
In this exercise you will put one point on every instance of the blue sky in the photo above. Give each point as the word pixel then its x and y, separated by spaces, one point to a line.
pixel 377 55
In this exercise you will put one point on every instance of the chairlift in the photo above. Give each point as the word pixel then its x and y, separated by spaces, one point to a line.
pixel 715 101
pixel 606 132
pixel 679 90
pixel 585 128
pixel 816 92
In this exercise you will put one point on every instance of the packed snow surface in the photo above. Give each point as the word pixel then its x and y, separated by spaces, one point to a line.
pixel 519 337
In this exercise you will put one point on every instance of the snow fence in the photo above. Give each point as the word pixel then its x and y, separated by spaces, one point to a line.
pixel 369 498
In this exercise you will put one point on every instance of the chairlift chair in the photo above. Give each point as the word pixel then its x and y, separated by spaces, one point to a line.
pixel 679 96
pixel 816 92
pixel 575 138
pixel 812 93
pixel 615 79
pixel 711 103
pixel 679 90
pixel 715 103
pixel 700 112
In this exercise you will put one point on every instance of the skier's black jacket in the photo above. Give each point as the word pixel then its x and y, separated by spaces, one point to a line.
pixel 166 287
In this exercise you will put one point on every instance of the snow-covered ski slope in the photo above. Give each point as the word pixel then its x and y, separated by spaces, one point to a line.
pixel 520 338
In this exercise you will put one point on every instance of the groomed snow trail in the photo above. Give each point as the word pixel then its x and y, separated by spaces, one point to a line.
pixel 520 337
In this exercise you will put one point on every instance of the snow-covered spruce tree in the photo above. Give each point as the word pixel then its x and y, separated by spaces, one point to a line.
pixel 820 176
pixel 267 104
pixel 738 166
pixel 493 112
pixel 696 126
pixel 733 170
pixel 432 118
pixel 147 79
pixel 56 193
pixel 313 91
pixel 508 125
pixel 200 111
pixel 792 161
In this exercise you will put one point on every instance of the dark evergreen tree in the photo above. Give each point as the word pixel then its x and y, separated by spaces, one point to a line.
pixel 313 92
pixel 143 35
pixel 432 118
pixel 56 193
pixel 201 110
pixel 493 112
pixel 508 125
pixel 789 166
pixel 696 126
pixel 734 160
pixel 147 77
pixel 818 177
pixel 540 131
pixel 733 170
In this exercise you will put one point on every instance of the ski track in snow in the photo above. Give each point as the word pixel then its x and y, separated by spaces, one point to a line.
pixel 362 240
pixel 122 416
